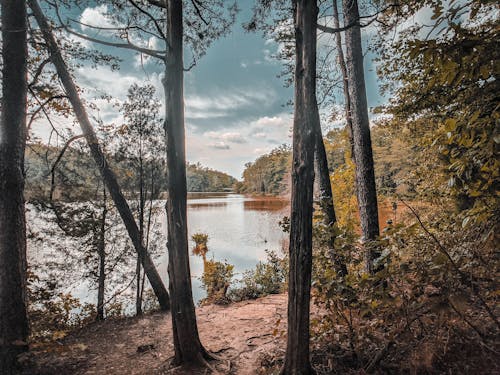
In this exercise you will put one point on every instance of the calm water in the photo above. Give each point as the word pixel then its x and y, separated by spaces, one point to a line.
pixel 240 229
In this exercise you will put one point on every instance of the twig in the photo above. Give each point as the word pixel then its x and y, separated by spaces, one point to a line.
pixel 462 275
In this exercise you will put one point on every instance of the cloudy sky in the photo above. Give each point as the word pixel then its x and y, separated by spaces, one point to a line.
pixel 235 104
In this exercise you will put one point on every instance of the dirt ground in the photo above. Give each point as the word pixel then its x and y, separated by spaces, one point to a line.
pixel 240 334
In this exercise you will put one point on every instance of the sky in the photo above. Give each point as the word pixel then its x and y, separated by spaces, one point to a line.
pixel 235 105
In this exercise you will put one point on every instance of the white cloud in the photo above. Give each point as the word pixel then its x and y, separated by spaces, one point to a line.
pixel 219 145
pixel 259 135
pixel 96 17
pixel 281 120
pixel 225 104
pixel 233 137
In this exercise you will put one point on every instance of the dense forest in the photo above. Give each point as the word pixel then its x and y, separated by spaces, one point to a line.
pixel 388 260
pixel 393 158
pixel 74 175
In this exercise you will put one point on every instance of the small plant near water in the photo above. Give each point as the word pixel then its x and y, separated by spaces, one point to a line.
pixel 200 249
pixel 267 278
pixel 216 280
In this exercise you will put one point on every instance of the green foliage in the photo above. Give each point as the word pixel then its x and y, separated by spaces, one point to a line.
pixel 432 304
pixel 202 179
pixel 268 174
pixel 267 278
pixel 445 94
pixel 216 280
pixel 54 314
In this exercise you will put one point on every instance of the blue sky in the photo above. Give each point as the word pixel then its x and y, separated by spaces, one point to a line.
pixel 235 104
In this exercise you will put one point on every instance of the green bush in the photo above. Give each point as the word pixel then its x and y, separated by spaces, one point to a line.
pixel 216 280
pixel 267 278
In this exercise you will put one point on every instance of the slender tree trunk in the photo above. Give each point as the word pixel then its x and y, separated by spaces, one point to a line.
pixel 326 202
pixel 107 173
pixel 13 315
pixel 305 125
pixel 343 70
pixel 138 299
pixel 188 348
pixel 102 259
pixel 138 296
pixel 365 175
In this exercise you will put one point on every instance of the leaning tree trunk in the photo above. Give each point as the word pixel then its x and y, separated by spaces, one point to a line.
pixel 107 173
pixel 343 70
pixel 326 203
pixel 365 175
pixel 305 125
pixel 188 349
pixel 13 315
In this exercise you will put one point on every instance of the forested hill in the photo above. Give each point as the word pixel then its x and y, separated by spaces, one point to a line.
pixel 200 178
pixel 270 173
pixel 76 177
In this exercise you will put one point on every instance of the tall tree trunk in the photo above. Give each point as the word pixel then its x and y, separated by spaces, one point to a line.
pixel 365 175
pixel 305 125
pixel 13 315
pixel 343 70
pixel 107 173
pixel 188 348
pixel 102 259
pixel 142 199
pixel 326 202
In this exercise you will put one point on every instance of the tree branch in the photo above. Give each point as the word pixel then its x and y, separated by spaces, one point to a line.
pixel 150 52
pixel 39 71
pixel 158 28
pixel 58 159
pixel 374 17
pixel 41 107
pixel 197 9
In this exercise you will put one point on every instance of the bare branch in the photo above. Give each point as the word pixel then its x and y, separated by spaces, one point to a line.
pixel 197 9
pixel 191 66
pixel 158 3
pixel 150 52
pixel 44 112
pixel 58 159
pixel 41 107
pixel 374 17
pixel 123 28
pixel 153 53
pixel 39 71
pixel 158 28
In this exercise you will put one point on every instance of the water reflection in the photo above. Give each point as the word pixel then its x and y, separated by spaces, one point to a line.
pixel 240 229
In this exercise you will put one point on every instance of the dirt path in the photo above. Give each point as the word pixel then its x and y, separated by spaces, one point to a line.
pixel 239 333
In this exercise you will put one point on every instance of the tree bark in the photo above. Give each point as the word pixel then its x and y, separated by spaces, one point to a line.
pixel 102 260
pixel 188 349
pixel 343 70
pixel 13 314
pixel 107 173
pixel 305 125
pixel 326 203
pixel 365 175
pixel 142 199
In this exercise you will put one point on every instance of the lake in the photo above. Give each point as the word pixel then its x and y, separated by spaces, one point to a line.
pixel 240 228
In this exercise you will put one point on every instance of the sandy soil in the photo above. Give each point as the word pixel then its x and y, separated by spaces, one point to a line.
pixel 240 334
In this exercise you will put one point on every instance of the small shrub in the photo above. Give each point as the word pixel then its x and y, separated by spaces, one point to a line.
pixel 216 280
pixel 267 278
